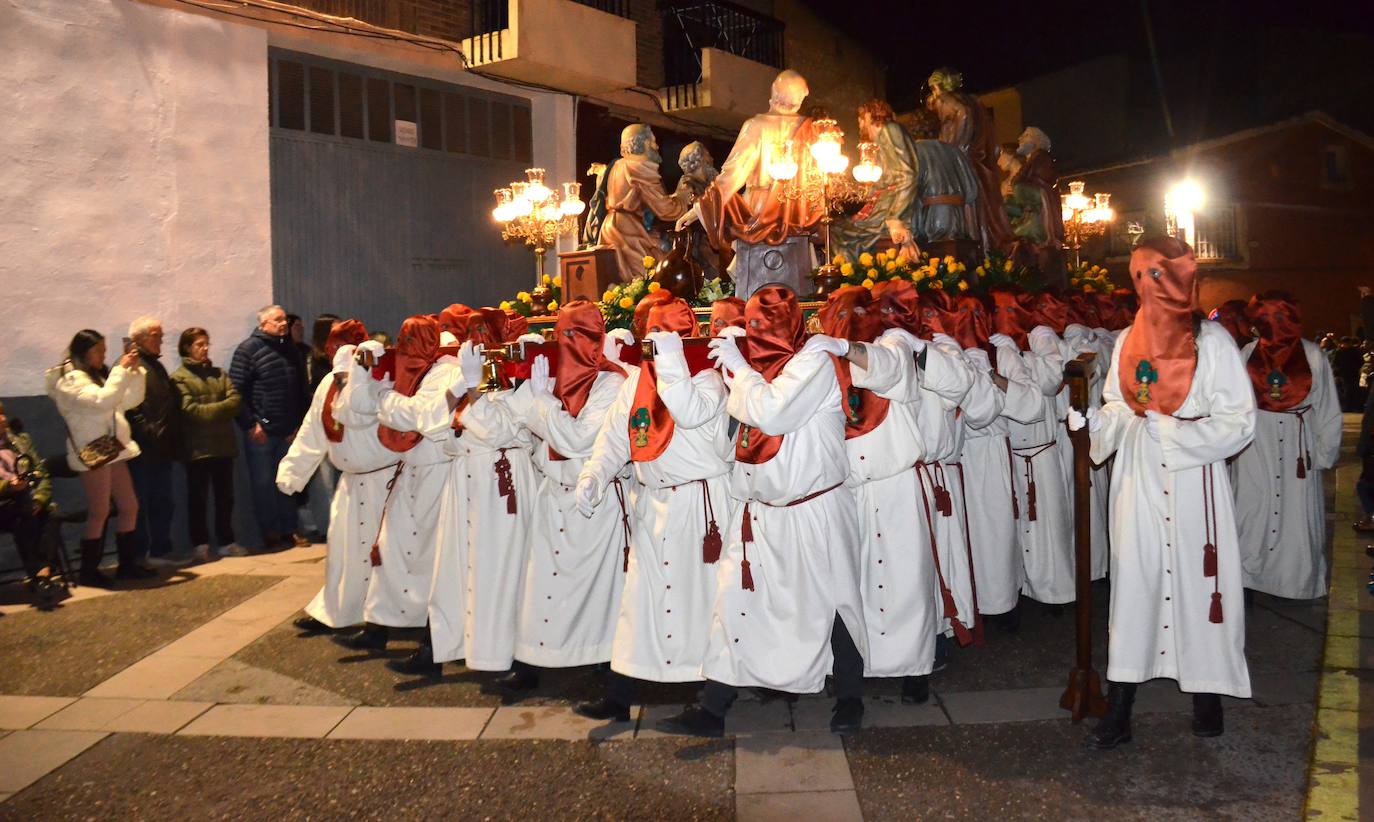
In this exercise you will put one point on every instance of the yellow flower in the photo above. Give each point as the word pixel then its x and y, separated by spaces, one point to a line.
pixel 918 275
pixel 872 272
pixel 654 287
pixel 979 271
pixel 608 296
pixel 867 283
pixel 937 285
pixel 505 305
pixel 553 305
pixel 891 266
pixel 949 260
pixel 523 296
pixel 839 260
pixel 649 261
pixel 1088 288
pixel 626 302
pixel 558 280
pixel 865 259
pixel 548 280
pixel 1006 266
pixel 847 269
pixel 963 285
pixel 892 253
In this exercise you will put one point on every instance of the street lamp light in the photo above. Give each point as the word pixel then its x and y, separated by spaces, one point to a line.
pixel 1181 203
pixel 1084 216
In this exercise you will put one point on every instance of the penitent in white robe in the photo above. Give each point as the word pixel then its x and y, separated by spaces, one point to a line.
pixel 1159 621
pixel 1046 523
pixel 665 611
pixel 804 557
pixel 365 466
pixel 1281 517
pixel 573 576
pixel 901 598
pixel 398 594
pixel 987 465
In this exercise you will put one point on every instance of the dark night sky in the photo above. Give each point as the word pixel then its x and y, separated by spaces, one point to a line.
pixel 1227 63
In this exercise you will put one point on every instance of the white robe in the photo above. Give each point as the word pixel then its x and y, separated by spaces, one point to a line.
pixel 365 466
pixel 665 611
pixel 1159 620
pixel 1047 540
pixel 987 463
pixel 573 576
pixel 901 599
pixel 1281 518
pixel 804 557
pixel 398 594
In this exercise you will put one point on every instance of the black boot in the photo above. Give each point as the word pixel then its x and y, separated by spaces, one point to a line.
pixel 916 690
pixel 1114 727
pixel 308 626
pixel 1207 715
pixel 518 681
pixel 848 716
pixel 1010 622
pixel 368 638
pixel 90 574
pixel 941 653
pixel 694 721
pixel 126 545
pixel 604 709
pixel 420 663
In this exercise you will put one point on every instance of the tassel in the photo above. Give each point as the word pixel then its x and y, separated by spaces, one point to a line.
pixel 1215 615
pixel 944 501
pixel 1030 501
pixel 1302 469
pixel 376 556
pixel 1209 560
pixel 1015 508
pixel 711 544
pixel 626 569
pixel 746 529
pixel 505 483
pixel 746 534
pixel 746 579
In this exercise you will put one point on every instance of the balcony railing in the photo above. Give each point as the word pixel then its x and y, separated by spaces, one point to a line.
pixel 692 25
pixel 493 15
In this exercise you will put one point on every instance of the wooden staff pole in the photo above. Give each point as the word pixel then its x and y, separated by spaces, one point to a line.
pixel 1083 696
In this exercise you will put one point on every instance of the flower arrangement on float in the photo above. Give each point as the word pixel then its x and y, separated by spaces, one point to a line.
pixel 928 273
pixel 523 304
pixel 998 269
pixel 1090 278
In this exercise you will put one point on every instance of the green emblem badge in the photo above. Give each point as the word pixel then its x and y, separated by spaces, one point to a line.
pixel 855 402
pixel 1145 374
pixel 744 434
pixel 1277 381
pixel 639 421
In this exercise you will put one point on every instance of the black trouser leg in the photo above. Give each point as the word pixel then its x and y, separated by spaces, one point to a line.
pixel 222 478
pixel 848 671
pixel 197 497
pixel 717 697
pixel 17 516
pixel 621 689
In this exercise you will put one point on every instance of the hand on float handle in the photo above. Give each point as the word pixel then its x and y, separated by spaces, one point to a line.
pixel 1093 420
pixel 370 352
pixel 1003 341
pixel 471 360
pixel 726 353
pixel 540 381
pixel 665 342
pixel 615 338
pixel 828 344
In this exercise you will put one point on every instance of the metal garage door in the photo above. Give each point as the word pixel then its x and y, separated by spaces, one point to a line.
pixel 365 225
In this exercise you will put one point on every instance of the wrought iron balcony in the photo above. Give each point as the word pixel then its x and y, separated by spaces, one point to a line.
pixel 689 26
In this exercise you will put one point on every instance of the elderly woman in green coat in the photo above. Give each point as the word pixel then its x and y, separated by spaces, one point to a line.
pixel 209 403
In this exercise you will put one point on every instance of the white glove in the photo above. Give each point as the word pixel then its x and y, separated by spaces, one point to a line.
pixel 1003 341
pixel 587 494
pixel 610 345
pixel 978 358
pixel 446 339
pixel 1093 420
pixel 530 338
pixel 945 339
pixel 731 331
pixel 540 381
pixel 471 360
pixel 914 343
pixel 622 334
pixel 1152 424
pixel 343 359
pixel 373 349
pixel 726 354
pixel 665 342
pixel 828 344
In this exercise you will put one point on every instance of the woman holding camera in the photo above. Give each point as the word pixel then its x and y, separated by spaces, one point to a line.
pixel 92 400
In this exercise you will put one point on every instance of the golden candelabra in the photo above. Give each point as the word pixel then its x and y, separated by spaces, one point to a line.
pixel 533 213
pixel 1084 217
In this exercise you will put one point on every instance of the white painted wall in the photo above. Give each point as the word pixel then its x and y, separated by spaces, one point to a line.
pixel 135 177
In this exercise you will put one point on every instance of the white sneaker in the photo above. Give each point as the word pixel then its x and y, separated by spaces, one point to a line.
pixel 169 561
pixel 201 553
pixel 233 549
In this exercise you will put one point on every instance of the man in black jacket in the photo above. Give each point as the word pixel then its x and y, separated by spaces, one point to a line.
pixel 268 372
pixel 156 425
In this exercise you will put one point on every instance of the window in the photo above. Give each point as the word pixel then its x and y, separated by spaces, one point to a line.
pixel 1216 234
pixel 1336 168
pixel 337 100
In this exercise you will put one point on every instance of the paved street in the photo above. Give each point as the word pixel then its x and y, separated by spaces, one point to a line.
pixel 195 698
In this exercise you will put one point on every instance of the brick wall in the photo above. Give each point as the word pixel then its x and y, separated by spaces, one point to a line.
pixel 448 19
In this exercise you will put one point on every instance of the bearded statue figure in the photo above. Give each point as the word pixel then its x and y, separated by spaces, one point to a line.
pixel 965 125
pixel 1036 216
pixel 928 191
pixel 769 231
pixel 630 195
pixel 698 173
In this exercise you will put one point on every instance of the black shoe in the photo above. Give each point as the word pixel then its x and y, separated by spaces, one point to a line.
pixel 1114 728
pixel 92 551
pixel 694 721
pixel 941 653
pixel 603 709
pixel 309 625
pixel 368 638
pixel 1207 715
pixel 1010 622
pixel 849 716
pixel 129 566
pixel 916 690
pixel 518 680
pixel 1056 611
pixel 420 663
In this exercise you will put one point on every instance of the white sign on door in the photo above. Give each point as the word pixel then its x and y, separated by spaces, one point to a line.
pixel 407 134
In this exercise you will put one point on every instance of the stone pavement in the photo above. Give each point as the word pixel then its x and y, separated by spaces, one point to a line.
pixel 215 707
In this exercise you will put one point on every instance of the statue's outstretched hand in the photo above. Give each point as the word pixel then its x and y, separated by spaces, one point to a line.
pixel 688 217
